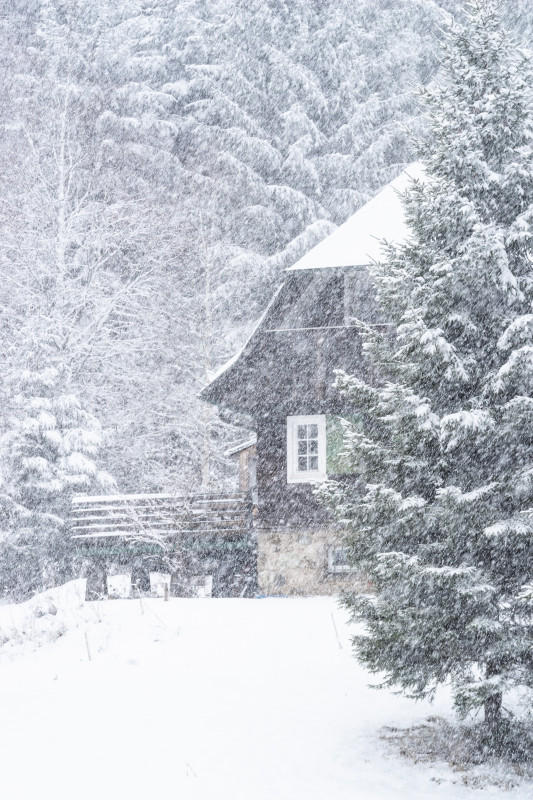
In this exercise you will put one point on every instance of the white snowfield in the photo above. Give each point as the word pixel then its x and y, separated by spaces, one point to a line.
pixel 207 700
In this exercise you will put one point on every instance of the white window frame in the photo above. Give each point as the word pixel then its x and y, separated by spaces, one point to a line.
pixel 332 567
pixel 308 476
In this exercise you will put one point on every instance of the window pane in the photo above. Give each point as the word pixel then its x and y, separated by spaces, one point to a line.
pixel 339 560
pixel 306 448
pixel 340 557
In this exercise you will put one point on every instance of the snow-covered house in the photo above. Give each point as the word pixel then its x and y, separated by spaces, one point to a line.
pixel 282 379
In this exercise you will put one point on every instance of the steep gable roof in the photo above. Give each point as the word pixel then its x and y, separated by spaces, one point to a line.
pixel 357 242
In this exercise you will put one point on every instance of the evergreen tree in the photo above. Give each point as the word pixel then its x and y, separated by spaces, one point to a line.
pixel 444 444
pixel 47 456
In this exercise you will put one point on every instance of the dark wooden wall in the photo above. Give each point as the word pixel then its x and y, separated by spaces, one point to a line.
pixel 300 383
pixel 288 368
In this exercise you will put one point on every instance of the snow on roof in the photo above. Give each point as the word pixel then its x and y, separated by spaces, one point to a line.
pixel 81 499
pixel 238 448
pixel 227 364
pixel 358 241
pixel 85 499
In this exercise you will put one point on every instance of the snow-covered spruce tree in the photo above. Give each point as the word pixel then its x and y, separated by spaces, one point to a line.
pixel 47 456
pixel 445 446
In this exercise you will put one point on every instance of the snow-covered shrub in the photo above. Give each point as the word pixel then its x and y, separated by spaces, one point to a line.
pixel 43 618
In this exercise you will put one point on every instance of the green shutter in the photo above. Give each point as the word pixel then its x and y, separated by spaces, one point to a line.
pixel 336 462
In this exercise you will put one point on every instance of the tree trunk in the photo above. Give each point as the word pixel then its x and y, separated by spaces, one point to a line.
pixel 493 713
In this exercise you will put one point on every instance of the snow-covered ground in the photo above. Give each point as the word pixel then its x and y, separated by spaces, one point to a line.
pixel 206 700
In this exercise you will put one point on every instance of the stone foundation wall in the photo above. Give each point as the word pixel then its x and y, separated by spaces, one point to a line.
pixel 296 563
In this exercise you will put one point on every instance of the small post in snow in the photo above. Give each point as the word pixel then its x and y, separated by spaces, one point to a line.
pixel 336 631
pixel 88 648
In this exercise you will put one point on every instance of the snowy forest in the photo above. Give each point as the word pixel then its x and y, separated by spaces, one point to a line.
pixel 161 163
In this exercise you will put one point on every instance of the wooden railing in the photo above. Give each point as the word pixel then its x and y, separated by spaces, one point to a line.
pixel 151 515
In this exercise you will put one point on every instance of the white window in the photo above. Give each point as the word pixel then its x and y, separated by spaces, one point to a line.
pixel 306 449
pixel 338 559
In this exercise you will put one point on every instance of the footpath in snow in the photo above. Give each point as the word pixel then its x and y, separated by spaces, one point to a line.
pixel 207 700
